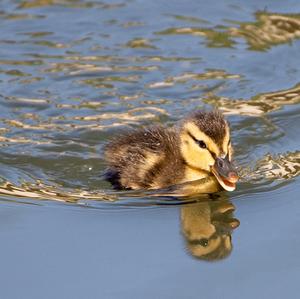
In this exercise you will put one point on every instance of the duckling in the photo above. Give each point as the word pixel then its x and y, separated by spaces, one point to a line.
pixel 195 154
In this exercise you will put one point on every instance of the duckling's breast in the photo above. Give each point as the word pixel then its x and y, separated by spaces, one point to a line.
pixel 192 174
pixel 199 181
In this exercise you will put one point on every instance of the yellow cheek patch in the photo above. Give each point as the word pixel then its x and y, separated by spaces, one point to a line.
pixel 195 157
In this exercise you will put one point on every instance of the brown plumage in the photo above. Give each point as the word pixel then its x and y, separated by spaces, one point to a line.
pixel 141 158
pixel 211 123
pixel 158 157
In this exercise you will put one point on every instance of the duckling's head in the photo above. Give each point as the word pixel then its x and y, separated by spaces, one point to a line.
pixel 206 146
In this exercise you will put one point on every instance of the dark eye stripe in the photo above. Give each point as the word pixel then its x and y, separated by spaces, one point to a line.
pixel 199 142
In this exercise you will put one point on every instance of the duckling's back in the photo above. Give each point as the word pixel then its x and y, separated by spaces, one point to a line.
pixel 144 159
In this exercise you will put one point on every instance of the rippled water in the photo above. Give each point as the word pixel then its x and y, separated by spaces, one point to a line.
pixel 74 73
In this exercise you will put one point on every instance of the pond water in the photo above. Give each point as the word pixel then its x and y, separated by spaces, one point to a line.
pixel 74 73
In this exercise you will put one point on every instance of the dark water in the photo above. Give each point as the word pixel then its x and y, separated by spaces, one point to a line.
pixel 73 74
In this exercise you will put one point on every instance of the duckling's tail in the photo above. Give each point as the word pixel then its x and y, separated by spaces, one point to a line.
pixel 113 176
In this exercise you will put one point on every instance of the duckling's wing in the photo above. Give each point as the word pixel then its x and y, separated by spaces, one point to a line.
pixel 140 158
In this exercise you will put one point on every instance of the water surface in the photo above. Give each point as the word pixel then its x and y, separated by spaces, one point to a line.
pixel 75 73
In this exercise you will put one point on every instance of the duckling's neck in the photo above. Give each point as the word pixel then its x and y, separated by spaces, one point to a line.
pixel 209 182
pixel 193 174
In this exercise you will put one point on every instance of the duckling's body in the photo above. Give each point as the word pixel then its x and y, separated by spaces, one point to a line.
pixel 158 157
pixel 145 159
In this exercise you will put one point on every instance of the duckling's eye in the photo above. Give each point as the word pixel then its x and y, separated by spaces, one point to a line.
pixel 204 242
pixel 201 143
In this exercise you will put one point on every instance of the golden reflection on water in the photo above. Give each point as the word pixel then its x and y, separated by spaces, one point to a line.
pixel 186 77
pixel 283 166
pixel 268 30
pixel 215 38
pixel 133 115
pixel 19 16
pixel 37 3
pixel 40 191
pixel 257 105
pixel 93 122
pixel 68 3
pixel 8 140
pixel 140 43
pixel 207 228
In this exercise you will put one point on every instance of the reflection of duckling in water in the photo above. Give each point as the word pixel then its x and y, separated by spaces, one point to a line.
pixel 157 157
pixel 207 228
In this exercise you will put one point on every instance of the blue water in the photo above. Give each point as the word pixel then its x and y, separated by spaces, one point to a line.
pixel 75 73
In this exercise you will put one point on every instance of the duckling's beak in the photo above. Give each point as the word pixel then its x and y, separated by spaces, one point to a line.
pixel 225 173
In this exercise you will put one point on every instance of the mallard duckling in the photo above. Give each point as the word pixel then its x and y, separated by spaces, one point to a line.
pixel 199 148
